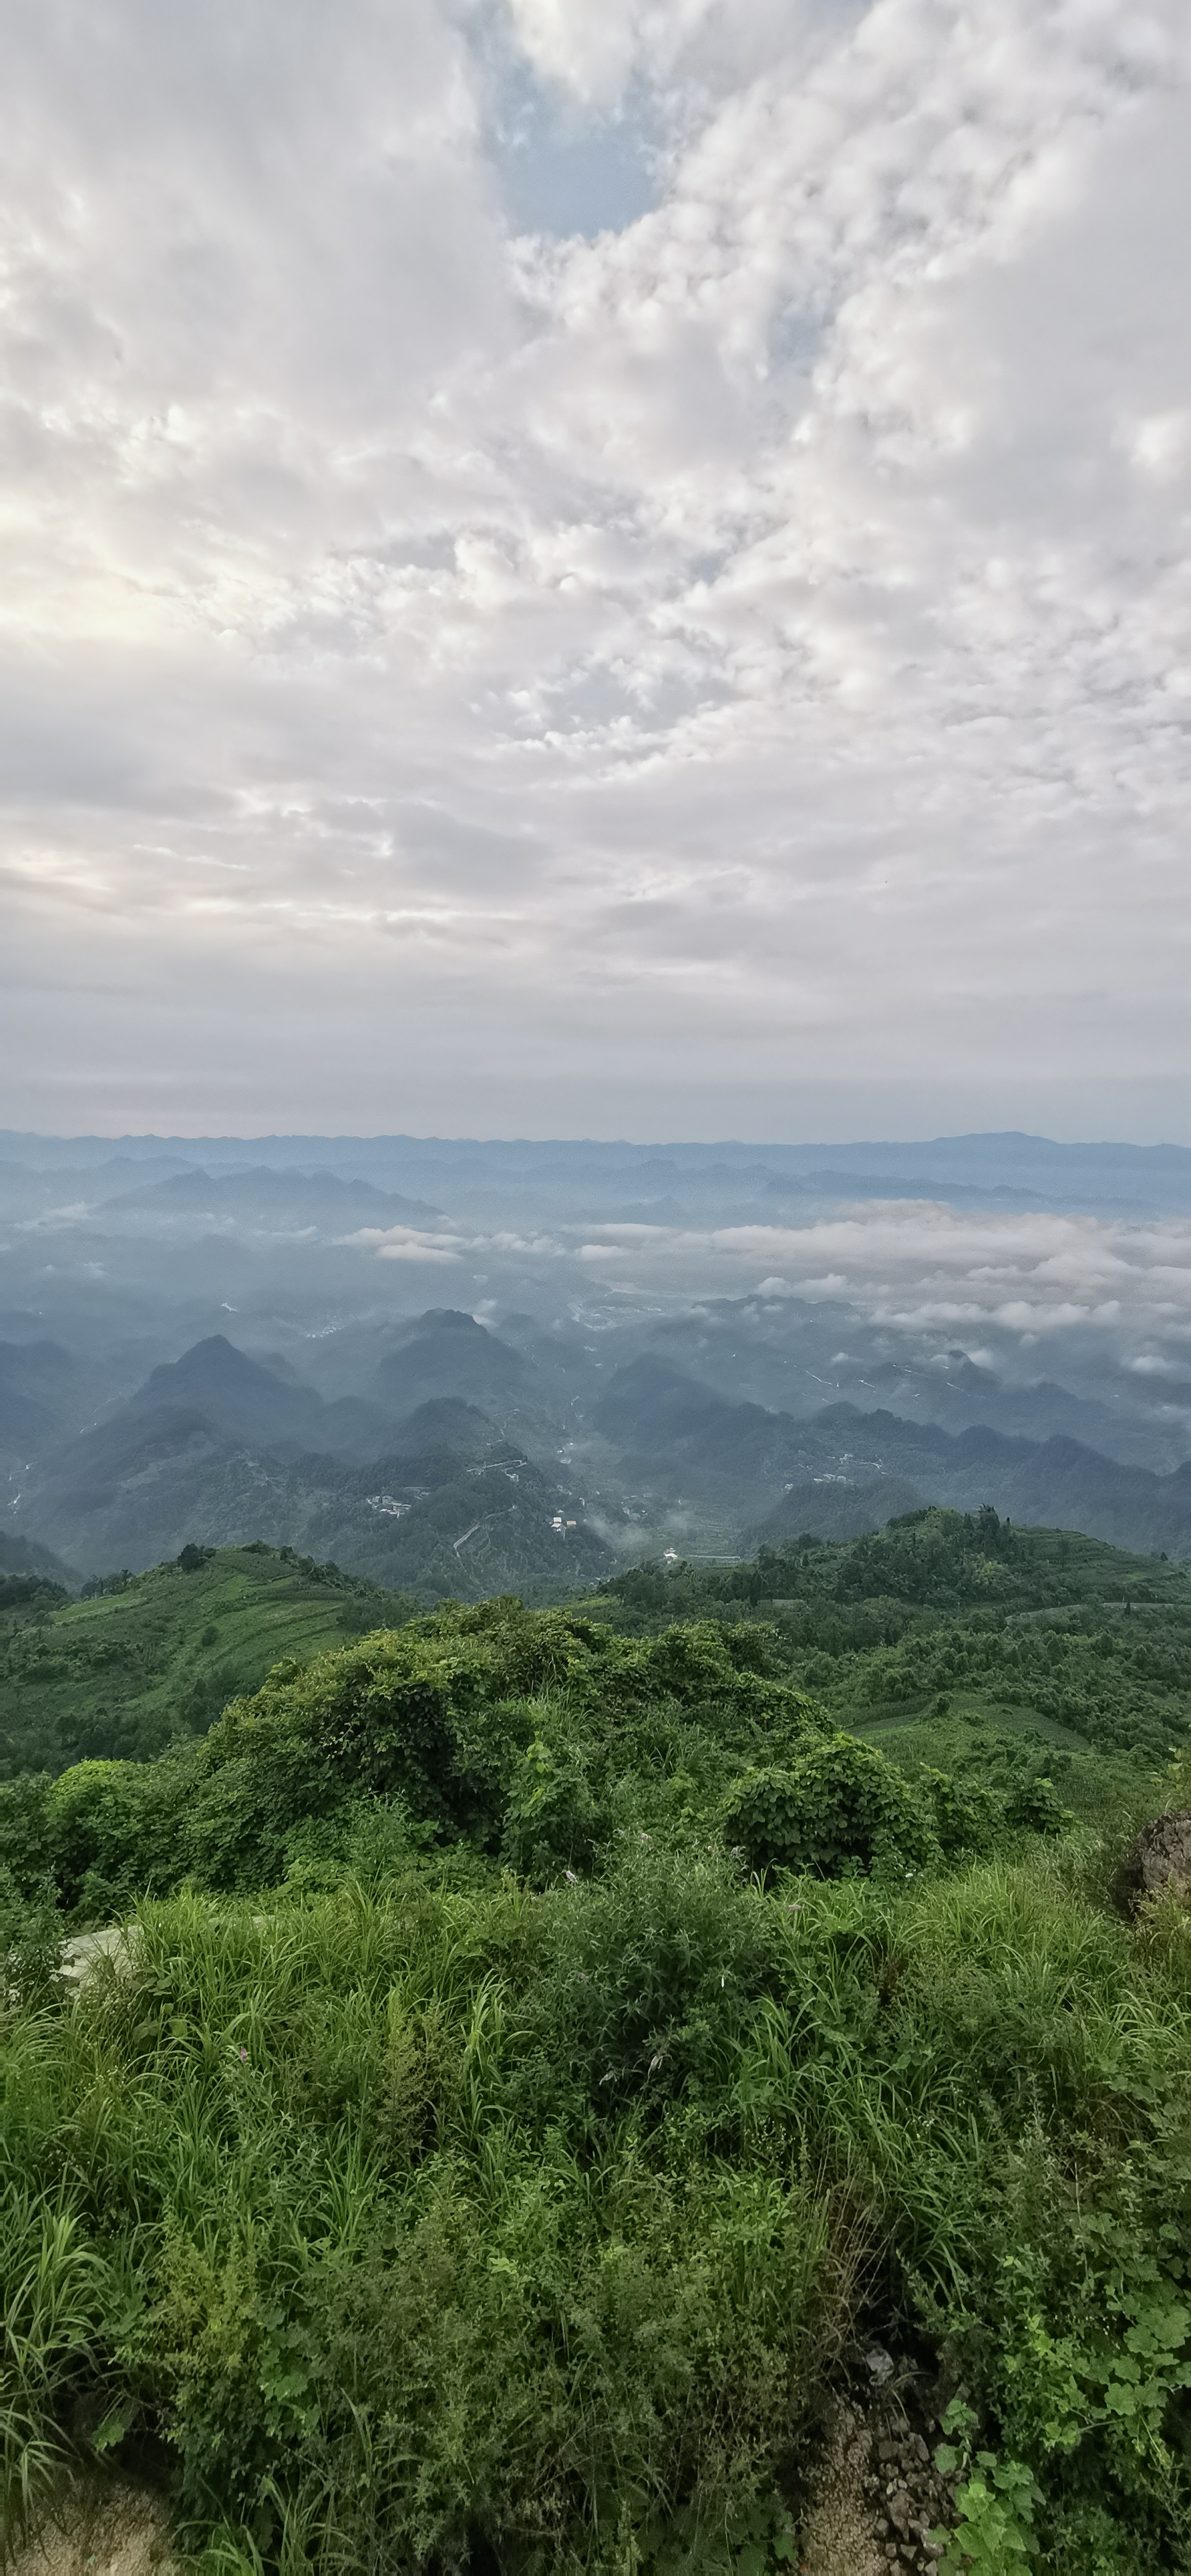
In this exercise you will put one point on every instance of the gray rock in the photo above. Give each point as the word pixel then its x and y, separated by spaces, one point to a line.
pixel 117 1942
pixel 1157 1860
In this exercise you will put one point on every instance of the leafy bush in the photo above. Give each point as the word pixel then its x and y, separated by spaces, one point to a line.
pixel 552 1820
pixel 489 2160
pixel 117 1830
pixel 26 1833
pixel 841 1806
pixel 995 2520
pixel 967 1815
pixel 647 1983
pixel 30 1944
pixel 1034 1805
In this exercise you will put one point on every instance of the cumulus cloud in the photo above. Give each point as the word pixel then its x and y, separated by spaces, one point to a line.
pixel 730 669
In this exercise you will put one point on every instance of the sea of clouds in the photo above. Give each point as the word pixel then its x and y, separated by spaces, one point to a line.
pixel 915 1267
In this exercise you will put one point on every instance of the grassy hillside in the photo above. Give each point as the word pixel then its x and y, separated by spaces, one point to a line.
pixel 551 2052
pixel 156 1655
pixel 949 1613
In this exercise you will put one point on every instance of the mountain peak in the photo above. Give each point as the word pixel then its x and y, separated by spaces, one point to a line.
pixel 444 1319
pixel 213 1362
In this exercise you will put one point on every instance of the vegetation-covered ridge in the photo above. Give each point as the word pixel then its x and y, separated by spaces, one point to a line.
pixel 548 2044
pixel 1039 1627
pixel 142 1659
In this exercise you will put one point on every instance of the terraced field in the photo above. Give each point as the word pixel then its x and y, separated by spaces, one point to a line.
pixel 127 1672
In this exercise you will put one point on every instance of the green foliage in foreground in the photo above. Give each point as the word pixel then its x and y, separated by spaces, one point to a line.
pixel 541 2053
pixel 146 1658
pixel 413 2215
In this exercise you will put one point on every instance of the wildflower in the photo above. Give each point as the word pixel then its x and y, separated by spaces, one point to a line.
pixel 243 2057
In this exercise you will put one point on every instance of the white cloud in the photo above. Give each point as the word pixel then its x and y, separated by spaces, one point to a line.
pixel 405 1243
pixel 917 1267
pixel 740 659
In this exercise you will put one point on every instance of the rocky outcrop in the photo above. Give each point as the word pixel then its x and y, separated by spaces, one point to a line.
pixel 1157 1863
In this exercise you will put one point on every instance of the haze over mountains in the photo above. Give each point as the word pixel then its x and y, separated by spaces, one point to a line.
pixel 464 1366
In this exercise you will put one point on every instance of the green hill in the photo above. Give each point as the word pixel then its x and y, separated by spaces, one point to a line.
pixel 150 1657
pixel 32 1578
pixel 956 1619
pixel 929 1560
pixel 549 2065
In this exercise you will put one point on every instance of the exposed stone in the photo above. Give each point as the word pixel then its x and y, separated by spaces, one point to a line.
pixel 1157 1861
pixel 879 2492
pixel 118 1942
pixel 98 2527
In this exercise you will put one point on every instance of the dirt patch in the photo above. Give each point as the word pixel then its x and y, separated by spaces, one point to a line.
pixel 99 2529
pixel 839 2536
pixel 878 2493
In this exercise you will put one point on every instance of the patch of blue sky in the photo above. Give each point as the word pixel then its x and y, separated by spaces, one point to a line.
pixel 564 174
pixel 795 339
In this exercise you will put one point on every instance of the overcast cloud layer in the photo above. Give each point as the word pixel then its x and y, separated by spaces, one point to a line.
pixel 610 568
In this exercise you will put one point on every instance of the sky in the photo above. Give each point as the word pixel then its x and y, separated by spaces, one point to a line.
pixel 605 570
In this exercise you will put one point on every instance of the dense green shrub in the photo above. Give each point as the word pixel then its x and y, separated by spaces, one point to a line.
pixel 531 1733
pixel 552 1819
pixel 476 2152
pixel 117 1830
pixel 646 1986
pixel 841 1806
pixel 1034 1805
pixel 26 1834
pixel 442 2214
pixel 967 1815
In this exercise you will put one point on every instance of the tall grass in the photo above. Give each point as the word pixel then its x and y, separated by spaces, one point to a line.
pixel 412 2216
pixel 55 2294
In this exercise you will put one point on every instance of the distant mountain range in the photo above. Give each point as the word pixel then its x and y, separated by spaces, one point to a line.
pixel 219 1448
pixel 267 1198
pixel 849 1469
pixel 469 1460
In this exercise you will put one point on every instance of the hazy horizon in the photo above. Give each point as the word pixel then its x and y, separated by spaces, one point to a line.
pixel 849 1143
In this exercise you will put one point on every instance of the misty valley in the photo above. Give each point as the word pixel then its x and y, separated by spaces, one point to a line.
pixel 457 1369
